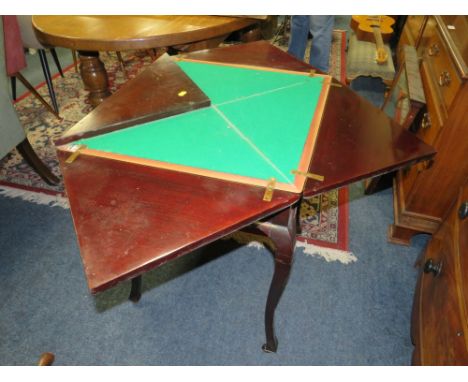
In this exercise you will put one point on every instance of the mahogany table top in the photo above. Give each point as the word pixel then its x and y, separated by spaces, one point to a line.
pixel 131 218
pixel 117 33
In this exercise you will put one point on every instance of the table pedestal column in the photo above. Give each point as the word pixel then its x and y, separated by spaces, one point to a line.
pixel 94 77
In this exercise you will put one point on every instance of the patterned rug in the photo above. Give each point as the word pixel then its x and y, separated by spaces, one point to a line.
pixel 43 127
pixel 323 218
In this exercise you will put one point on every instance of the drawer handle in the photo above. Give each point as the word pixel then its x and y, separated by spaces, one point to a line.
pixel 431 267
pixel 433 50
pixel 424 165
pixel 426 121
pixel 463 210
pixel 444 79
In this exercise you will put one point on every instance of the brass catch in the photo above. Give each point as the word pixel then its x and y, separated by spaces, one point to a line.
pixel 75 149
pixel 310 175
pixel 269 190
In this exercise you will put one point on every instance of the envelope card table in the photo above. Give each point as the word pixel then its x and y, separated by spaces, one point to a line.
pixel 198 147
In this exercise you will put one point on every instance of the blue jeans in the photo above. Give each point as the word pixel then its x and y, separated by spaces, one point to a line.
pixel 321 28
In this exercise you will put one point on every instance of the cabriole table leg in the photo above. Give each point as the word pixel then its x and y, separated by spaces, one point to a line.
pixel 281 229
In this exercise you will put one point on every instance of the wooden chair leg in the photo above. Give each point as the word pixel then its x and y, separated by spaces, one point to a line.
pixel 56 60
pixel 135 292
pixel 122 64
pixel 47 359
pixel 152 53
pixel 36 94
pixel 48 77
pixel 75 60
pixel 30 156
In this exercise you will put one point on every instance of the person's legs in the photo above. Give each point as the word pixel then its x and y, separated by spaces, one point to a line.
pixel 299 32
pixel 321 28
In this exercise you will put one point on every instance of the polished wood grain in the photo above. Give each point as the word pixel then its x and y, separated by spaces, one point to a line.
pixel 282 230
pixel 443 293
pixel 90 34
pixel 131 218
pixel 424 193
pixel 119 33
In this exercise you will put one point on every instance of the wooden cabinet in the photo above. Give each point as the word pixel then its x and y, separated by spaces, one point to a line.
pixel 410 34
pixel 424 193
pixel 440 310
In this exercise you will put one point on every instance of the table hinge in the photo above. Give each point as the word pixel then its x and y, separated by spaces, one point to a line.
pixel 312 73
pixel 75 150
pixel 269 190
pixel 310 175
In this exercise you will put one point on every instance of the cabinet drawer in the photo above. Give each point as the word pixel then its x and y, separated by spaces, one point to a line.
pixel 413 26
pixel 435 114
pixel 442 335
pixel 443 70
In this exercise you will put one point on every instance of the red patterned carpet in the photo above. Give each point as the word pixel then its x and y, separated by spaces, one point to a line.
pixel 324 218
pixel 43 127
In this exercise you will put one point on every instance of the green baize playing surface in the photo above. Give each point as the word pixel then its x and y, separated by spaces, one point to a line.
pixel 256 126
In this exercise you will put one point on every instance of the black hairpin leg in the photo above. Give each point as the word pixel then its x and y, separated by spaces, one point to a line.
pixel 56 60
pixel 48 77
pixel 13 87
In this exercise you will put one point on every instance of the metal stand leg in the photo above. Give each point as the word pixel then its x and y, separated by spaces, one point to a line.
pixel 45 69
pixel 56 60
pixel 13 87
pixel 36 94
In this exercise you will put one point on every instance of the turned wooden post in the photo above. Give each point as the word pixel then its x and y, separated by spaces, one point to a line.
pixel 94 76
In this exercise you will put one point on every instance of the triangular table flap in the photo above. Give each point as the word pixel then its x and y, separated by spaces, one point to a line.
pixel 131 218
pixel 160 91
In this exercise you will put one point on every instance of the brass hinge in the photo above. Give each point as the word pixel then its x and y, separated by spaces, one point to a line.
pixel 269 190
pixel 75 150
pixel 310 175
pixel 312 73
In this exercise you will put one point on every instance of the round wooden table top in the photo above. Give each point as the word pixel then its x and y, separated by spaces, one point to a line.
pixel 116 33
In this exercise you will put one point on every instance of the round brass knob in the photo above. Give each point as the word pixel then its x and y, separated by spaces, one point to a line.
pixel 444 79
pixel 426 121
pixel 433 50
